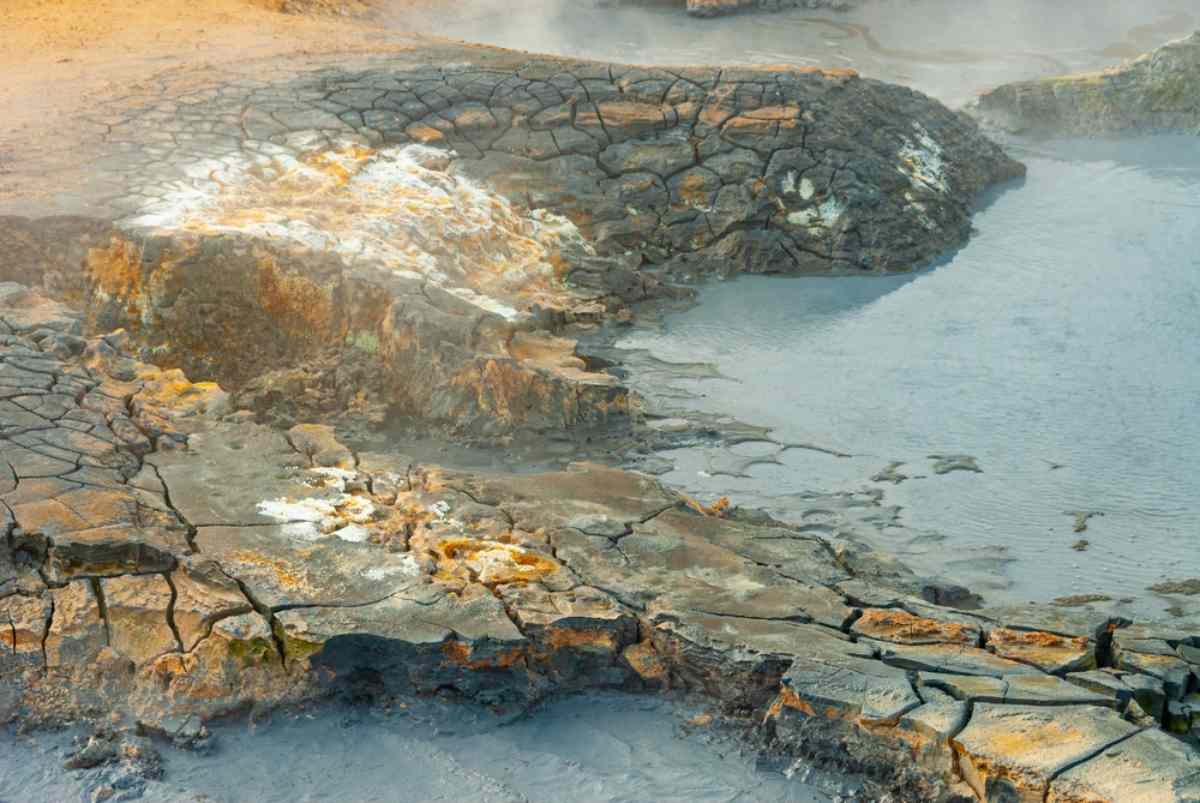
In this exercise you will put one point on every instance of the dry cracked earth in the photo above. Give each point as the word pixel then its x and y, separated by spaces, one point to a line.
pixel 254 260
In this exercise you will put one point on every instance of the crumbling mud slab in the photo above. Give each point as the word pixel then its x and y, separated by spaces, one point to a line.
pixel 165 560
pixel 296 333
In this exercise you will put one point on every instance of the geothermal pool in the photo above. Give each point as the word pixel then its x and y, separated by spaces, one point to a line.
pixel 603 747
pixel 1056 348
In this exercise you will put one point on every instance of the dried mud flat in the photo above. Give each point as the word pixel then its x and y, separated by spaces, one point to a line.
pixel 421 235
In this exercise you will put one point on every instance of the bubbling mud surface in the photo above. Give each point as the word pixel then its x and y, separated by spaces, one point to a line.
pixel 1053 349
pixel 602 747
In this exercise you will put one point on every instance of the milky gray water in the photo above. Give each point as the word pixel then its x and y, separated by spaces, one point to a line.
pixel 603 747
pixel 947 48
pixel 1059 348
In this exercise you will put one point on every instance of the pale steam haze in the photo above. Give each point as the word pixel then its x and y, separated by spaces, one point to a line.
pixel 932 45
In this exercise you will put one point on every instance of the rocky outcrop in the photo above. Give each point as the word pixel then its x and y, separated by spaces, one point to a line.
pixel 166 561
pixel 1159 92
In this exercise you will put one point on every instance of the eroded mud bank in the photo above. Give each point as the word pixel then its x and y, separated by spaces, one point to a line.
pixel 1154 93
pixel 168 561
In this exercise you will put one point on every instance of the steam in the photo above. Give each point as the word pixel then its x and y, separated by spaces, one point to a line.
pixel 933 45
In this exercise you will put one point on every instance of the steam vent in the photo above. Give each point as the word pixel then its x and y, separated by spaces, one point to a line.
pixel 312 399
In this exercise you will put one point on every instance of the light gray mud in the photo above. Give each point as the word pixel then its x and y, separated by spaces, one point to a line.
pixel 600 747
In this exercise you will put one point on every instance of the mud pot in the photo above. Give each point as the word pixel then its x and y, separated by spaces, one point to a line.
pixel 417 419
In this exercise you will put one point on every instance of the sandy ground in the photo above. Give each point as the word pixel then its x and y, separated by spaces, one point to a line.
pixel 38 33
pixel 57 42
pixel 59 57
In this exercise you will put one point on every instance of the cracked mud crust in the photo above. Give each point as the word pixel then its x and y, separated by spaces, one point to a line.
pixel 702 170
pixel 175 550
pixel 167 561
pixel 424 234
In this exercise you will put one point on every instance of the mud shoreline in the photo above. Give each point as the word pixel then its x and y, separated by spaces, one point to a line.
pixel 176 551
pixel 195 563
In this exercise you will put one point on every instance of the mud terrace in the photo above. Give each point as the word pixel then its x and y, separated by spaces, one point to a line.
pixel 394 241
pixel 419 240
pixel 1151 94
